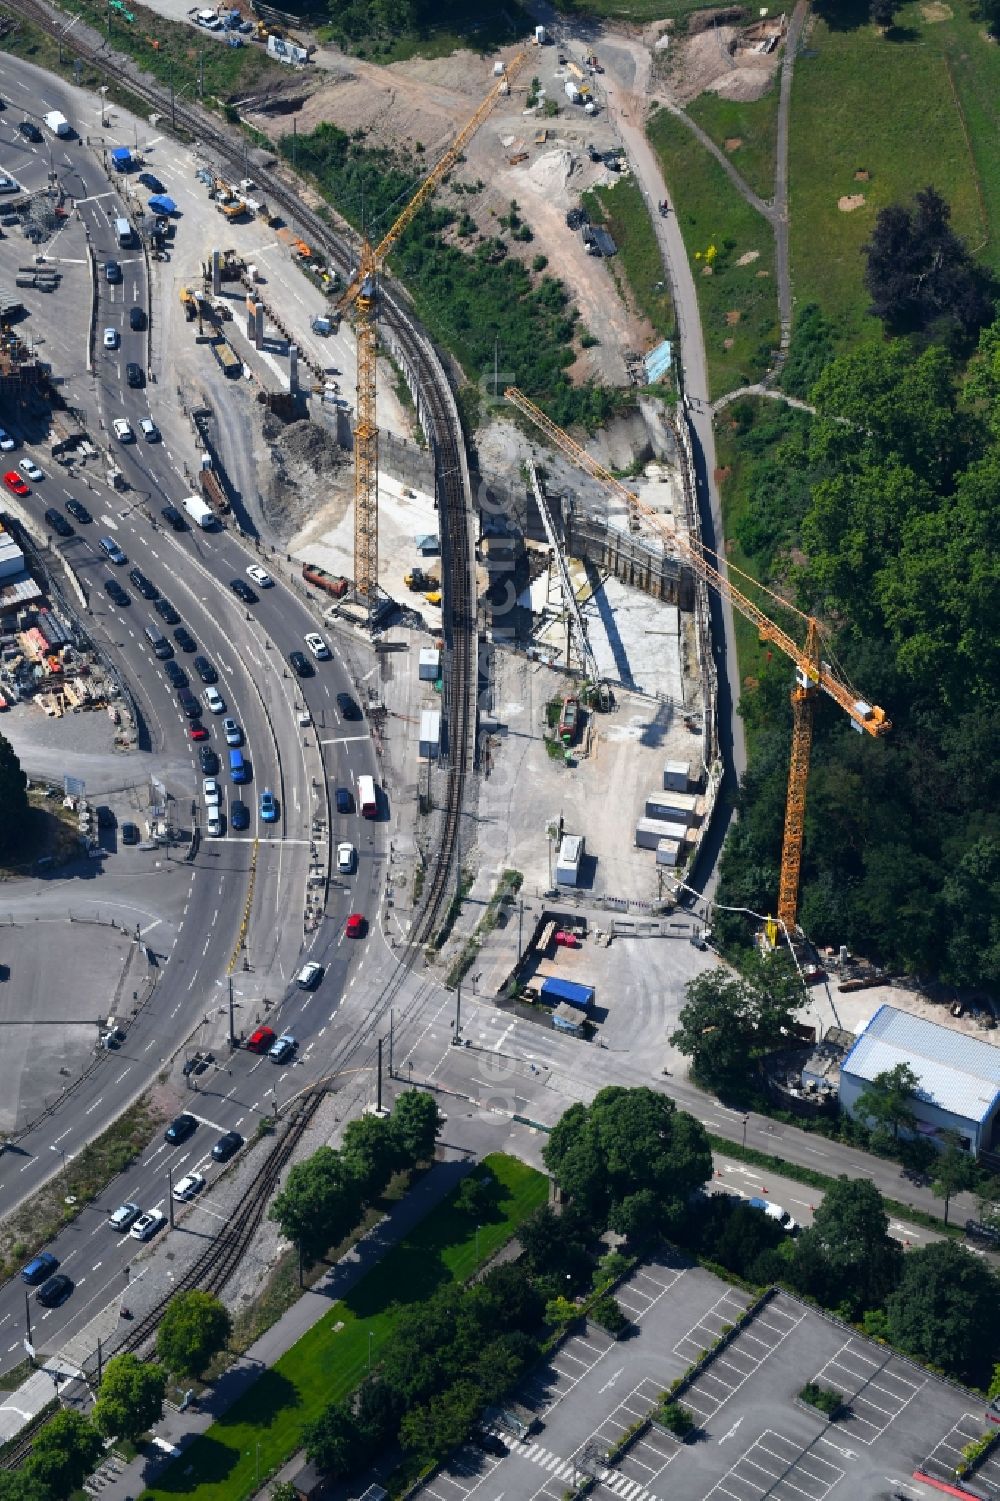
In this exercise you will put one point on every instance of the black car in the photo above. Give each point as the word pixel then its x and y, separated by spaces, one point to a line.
pixel 29 130
pixel 347 706
pixel 184 639
pixel 302 664
pixel 227 1146
pixel 79 510
pixel 188 703
pixel 113 272
pixel 205 670
pixel 243 591
pixel 209 760
pixel 165 610
pixel 490 1443
pixel 135 375
pixel 239 814
pixel 55 1290
pixel 345 802
pixel 146 588
pixel 152 183
pixel 176 674
pixel 57 521
pixel 197 1064
pixel 136 319
pixel 173 517
pixel 130 833
pixel 114 590
pixel 180 1128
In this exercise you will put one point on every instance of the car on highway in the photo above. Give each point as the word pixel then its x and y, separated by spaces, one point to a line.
pixel 345 858
pixel 145 586
pixel 239 814
pixel 189 1185
pixel 317 646
pixel 282 1050
pixel 301 663
pixel 56 1290
pixel 173 517
pixel 184 639
pixel 114 590
pixel 39 1267
pixel 136 319
pixel 122 429
pixel 130 833
pixel 232 732
pixel 197 730
pixel 260 1040
pixel 148 1224
pixel 112 272
pixel 6 441
pixel 205 670
pixel 181 1127
pixel 215 701
pixel 29 130
pixel 243 591
pixel 347 706
pixel 189 703
pixel 111 550
pixel 261 579
pixel 31 471
pixel 209 760
pixel 211 791
pixel 213 822
pixel 111 338
pixel 135 375
pixel 9 184
pixel 165 610
pixel 152 183
pixel 125 1215
pixel 309 975
pixel 357 925
pixel 15 483
pixel 57 521
pixel 175 672
pixel 79 511
pixel 268 807
pixel 151 434
pixel 344 800
pixel 227 1146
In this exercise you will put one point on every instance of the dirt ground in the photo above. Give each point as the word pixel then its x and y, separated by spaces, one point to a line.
pixel 719 59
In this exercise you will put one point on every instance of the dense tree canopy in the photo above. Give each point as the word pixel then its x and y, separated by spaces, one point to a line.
pixel 946 1310
pixel 194 1327
pixel 920 274
pixel 63 1454
pixel 847 1258
pixel 130 1398
pixel 13 800
pixel 728 1021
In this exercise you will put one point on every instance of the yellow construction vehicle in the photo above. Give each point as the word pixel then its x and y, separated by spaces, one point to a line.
pixel 418 581
pixel 233 210
pixel 188 304
pixel 434 597
pixel 811 671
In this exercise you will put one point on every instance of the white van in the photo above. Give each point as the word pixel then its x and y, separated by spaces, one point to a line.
pixel 123 232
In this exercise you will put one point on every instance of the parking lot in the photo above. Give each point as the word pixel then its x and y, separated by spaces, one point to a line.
pixel 754 1439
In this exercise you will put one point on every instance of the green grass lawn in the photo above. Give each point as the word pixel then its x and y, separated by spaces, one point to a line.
pixel 623 209
pixel 739 307
pixel 329 1361
pixel 754 124
pixel 865 102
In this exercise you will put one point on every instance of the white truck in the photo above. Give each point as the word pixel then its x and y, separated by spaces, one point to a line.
pixel 57 123
pixel 200 512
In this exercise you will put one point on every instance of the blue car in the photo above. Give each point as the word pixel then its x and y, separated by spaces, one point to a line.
pixel 268 807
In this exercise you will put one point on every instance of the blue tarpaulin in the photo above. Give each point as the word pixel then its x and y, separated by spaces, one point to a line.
pixel 121 158
pixel 161 204
pixel 657 362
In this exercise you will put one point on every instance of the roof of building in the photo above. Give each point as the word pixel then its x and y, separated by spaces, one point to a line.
pixel 957 1073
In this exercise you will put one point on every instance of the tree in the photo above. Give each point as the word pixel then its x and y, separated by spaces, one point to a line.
pixel 554 1246
pixel 64 1453
pixel 729 1021
pixel 946 1311
pixel 477 1195
pixel 284 1490
pixel 989 11
pixel 625 1142
pixel 319 1204
pixel 886 1101
pixel 21 1485
pixel 919 272
pixel 434 1427
pixel 953 1172
pixel 13 800
pixel 333 1443
pixel 368 1151
pixel 883 13
pixel 414 1125
pixel 847 1257
pixel 194 1327
pixel 130 1399
pixel 988 1202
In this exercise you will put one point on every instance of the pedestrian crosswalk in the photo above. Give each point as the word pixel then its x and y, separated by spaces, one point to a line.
pixel 565 1469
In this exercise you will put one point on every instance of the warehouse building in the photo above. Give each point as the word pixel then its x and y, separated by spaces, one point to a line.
pixel 959 1076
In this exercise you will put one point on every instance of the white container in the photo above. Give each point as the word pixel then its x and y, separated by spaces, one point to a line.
pixel 649 832
pixel 429 664
pixel 668 852
pixel 430 734
pixel 568 860
pixel 540 36
pixel 676 807
pixel 676 776
pixel 590 107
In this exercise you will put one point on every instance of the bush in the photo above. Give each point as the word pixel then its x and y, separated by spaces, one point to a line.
pixel 608 1313
pixel 822 1398
pixel 675 1417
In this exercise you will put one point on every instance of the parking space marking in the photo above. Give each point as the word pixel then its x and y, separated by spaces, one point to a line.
pixel 777 1467
pixel 875 1390
pixel 712 1387
pixel 946 1455
pixel 708 1328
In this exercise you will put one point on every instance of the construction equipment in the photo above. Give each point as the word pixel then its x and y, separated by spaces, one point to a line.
pixel 361 295
pixel 418 581
pixel 811 671
pixel 233 210
pixel 574 617
pixel 188 304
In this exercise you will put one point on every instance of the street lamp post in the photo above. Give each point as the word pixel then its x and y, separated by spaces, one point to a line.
pixel 62 1153
pixel 746 1118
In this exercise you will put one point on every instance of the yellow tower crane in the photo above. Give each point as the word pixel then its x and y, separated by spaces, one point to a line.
pixel 811 672
pixel 362 295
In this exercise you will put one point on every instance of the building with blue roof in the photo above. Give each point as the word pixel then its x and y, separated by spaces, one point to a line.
pixel 959 1088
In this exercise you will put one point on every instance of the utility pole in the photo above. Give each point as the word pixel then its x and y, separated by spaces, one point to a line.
pixel 232 1030
pixel 170 1195
pixel 458 1015
pixel 295 139
pixel 391 1025
pixel 201 73
pixel 28 1341
pixel 100 1362
pixel 378 1079
pixel 520 926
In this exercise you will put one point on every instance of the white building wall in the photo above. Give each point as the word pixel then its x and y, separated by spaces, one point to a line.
pixel 852 1087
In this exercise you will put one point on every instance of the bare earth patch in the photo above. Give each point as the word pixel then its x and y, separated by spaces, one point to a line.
pixel 728 343
pixel 850 202
pixel 733 317
pixel 862 175
pixel 748 257
pixel 935 11
pixel 733 143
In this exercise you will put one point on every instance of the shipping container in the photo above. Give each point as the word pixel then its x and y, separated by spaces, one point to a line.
pixel 430 734
pixel 676 776
pixel 674 807
pixel 649 832
pixel 568 860
pixel 330 583
pixel 554 989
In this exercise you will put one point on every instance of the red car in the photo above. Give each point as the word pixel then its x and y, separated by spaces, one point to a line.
pixel 197 731
pixel 261 1040
pixel 356 925
pixel 14 482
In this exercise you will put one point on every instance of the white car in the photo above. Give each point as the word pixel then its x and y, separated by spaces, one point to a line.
pixel 317 646
pixel 30 470
pixel 215 701
pixel 309 975
pixel 188 1187
pixel 6 441
pixel 213 823
pixel 149 430
pixel 123 430
pixel 147 1224
pixel 111 338
pixel 212 791
pixel 261 579
pixel 232 732
pixel 345 858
